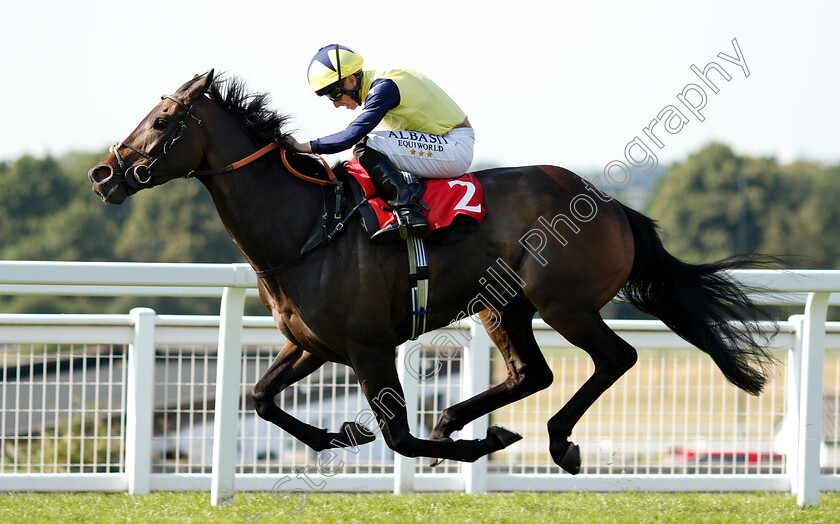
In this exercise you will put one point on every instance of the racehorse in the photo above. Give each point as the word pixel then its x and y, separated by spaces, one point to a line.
pixel 563 248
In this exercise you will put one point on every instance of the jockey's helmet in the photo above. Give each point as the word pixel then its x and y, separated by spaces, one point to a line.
pixel 330 64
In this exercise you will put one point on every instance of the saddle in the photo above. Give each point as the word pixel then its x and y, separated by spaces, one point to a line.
pixel 444 202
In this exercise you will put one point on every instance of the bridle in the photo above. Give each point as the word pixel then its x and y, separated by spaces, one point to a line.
pixel 139 175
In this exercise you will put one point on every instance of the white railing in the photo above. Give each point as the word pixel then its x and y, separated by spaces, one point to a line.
pixel 145 332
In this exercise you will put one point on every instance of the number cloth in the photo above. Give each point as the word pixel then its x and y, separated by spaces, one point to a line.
pixel 446 198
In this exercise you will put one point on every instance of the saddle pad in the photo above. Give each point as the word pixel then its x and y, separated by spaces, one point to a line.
pixel 445 197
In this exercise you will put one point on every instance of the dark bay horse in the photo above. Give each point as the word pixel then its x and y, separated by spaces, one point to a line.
pixel 563 249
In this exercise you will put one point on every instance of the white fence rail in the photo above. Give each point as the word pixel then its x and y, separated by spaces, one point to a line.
pixel 143 402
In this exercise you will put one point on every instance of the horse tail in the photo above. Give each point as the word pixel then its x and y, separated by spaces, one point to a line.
pixel 698 301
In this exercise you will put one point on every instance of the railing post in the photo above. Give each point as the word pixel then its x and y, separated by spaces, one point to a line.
pixel 139 402
pixel 791 425
pixel 475 379
pixel 810 411
pixel 225 421
pixel 408 361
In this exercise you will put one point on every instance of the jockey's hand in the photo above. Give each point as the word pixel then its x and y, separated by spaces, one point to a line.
pixel 306 147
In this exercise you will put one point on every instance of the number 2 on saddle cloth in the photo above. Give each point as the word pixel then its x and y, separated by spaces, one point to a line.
pixel 446 198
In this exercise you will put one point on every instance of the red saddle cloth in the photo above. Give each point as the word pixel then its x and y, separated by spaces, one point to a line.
pixel 446 198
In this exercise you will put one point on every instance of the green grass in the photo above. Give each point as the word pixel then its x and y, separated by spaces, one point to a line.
pixel 532 508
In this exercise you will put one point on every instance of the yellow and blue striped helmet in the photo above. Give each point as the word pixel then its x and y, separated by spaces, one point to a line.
pixel 330 64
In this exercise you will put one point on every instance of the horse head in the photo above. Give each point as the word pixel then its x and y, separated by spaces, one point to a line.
pixel 142 160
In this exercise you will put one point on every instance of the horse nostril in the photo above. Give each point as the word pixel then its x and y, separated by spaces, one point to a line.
pixel 101 173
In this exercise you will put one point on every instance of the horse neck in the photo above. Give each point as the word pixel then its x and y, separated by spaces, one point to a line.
pixel 268 212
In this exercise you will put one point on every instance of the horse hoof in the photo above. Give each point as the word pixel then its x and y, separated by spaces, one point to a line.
pixel 503 436
pixel 435 461
pixel 356 434
pixel 571 459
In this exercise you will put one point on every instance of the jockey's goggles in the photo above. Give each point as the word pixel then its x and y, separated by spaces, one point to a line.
pixel 335 93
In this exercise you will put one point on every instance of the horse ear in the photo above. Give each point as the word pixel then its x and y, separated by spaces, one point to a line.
pixel 198 87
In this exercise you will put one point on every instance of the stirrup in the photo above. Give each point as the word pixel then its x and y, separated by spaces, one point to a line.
pixel 387 234
pixel 408 222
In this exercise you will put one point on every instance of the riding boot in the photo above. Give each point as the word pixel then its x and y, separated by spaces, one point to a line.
pixel 399 194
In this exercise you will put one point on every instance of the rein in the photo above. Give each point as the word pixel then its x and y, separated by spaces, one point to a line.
pixel 332 181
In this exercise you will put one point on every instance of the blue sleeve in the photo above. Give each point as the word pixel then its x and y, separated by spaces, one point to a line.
pixel 384 95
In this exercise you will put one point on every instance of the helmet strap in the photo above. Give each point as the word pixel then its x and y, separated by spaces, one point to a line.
pixel 354 93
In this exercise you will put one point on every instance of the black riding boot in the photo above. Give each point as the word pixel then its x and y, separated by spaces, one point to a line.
pixel 393 188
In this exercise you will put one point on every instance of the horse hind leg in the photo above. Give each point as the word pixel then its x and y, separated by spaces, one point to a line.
pixel 527 370
pixel 612 357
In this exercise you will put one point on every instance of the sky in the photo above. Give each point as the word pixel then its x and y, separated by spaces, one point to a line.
pixel 543 82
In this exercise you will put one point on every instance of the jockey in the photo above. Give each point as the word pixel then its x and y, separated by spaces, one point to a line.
pixel 425 132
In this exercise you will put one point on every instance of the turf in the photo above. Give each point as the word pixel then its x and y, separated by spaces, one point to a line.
pixel 432 508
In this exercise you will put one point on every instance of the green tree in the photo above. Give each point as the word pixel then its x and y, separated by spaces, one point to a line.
pixel 805 221
pixel 32 189
pixel 175 223
pixel 717 203
pixel 48 212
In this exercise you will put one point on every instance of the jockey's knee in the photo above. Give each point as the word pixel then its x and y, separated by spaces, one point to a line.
pixel 359 149
pixel 367 156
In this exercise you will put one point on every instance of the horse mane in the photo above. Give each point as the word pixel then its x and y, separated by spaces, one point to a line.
pixel 263 124
pixel 252 110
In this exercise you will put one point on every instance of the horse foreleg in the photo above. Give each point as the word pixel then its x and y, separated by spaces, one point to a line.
pixel 377 376
pixel 612 357
pixel 527 370
pixel 291 365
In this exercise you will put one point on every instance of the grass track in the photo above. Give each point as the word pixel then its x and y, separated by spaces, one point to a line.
pixel 532 508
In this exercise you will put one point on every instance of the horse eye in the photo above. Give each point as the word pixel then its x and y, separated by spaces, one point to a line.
pixel 161 123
